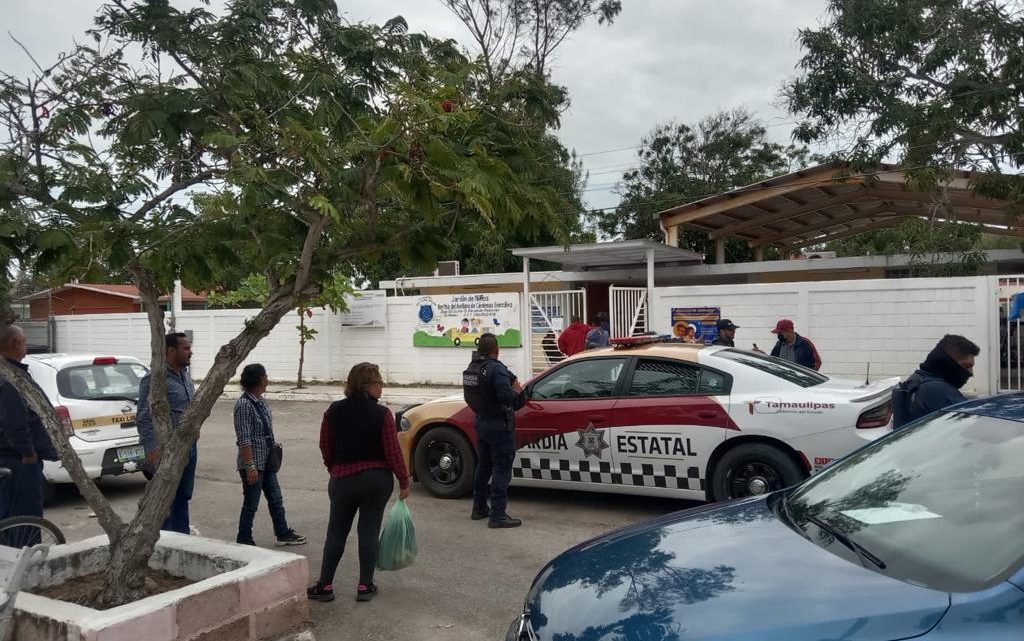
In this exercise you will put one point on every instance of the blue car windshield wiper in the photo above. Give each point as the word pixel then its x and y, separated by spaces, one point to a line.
pixel 858 549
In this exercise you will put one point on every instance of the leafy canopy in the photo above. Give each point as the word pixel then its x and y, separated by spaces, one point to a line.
pixel 933 84
pixel 680 163
pixel 237 135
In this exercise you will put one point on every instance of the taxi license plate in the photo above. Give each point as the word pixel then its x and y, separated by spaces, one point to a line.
pixel 126 454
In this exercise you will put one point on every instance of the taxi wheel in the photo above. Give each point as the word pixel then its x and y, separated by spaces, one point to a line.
pixel 445 463
pixel 49 492
pixel 753 469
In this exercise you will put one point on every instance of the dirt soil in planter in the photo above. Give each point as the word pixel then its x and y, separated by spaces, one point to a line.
pixel 84 589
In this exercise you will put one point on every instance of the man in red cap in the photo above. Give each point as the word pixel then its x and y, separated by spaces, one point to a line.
pixel 794 347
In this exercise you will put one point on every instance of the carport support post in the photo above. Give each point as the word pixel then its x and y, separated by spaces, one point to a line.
pixel 527 331
pixel 720 251
pixel 759 254
pixel 650 316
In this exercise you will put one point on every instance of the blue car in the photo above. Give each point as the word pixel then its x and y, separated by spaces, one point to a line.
pixel 917 535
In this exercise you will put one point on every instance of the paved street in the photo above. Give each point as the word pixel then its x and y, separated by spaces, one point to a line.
pixel 469 580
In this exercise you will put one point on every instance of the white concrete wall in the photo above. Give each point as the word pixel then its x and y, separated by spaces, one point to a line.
pixel 891 324
pixel 328 358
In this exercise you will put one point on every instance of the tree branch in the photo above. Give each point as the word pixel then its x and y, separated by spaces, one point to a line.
pixel 306 259
pixel 155 201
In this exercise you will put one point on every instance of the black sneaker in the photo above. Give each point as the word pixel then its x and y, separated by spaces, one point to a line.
pixel 291 538
pixel 320 592
pixel 503 521
pixel 245 542
pixel 366 592
pixel 478 515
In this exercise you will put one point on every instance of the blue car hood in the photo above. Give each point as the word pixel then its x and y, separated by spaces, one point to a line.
pixel 721 573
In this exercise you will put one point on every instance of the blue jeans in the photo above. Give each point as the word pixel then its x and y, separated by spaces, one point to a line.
pixel 265 484
pixel 496 451
pixel 21 494
pixel 177 520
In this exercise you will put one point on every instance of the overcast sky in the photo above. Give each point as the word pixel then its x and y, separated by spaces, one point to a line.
pixel 662 60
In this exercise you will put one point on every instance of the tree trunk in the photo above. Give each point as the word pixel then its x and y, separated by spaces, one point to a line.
pixel 124 577
pixel 302 346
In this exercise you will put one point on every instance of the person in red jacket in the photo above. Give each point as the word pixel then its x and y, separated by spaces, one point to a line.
pixel 573 338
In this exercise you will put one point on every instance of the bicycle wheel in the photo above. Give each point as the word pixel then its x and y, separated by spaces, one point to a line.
pixel 26 531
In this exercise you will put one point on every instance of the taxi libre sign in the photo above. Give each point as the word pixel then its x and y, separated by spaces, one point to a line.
pixel 460 319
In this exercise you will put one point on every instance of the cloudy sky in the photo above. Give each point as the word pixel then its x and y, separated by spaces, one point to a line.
pixel 662 60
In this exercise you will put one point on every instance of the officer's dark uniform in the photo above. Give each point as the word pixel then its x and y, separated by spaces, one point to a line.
pixel 21 435
pixel 496 439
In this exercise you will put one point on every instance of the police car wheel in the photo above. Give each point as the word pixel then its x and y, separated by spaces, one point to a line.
pixel 445 463
pixel 753 469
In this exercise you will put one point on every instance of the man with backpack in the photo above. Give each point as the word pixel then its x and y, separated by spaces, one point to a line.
pixel 936 383
pixel 494 394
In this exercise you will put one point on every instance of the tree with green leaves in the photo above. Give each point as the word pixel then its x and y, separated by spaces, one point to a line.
pixel 273 136
pixel 680 163
pixel 514 42
pixel 929 245
pixel 932 84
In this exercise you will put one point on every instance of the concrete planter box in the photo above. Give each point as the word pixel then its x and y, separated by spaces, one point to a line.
pixel 242 593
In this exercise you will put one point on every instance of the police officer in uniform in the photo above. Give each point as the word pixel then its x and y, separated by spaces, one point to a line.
pixel 500 396
pixel 726 333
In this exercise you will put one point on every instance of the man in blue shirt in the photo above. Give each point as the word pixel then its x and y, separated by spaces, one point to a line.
pixel 180 391
pixel 24 443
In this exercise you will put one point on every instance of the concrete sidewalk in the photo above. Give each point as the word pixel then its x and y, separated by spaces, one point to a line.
pixel 395 396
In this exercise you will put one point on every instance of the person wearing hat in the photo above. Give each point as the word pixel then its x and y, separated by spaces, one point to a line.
pixel 794 347
pixel 726 333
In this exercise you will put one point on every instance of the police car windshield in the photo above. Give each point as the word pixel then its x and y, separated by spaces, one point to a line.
pixel 791 372
pixel 938 501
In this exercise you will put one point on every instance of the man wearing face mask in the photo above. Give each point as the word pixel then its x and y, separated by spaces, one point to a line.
pixel 936 383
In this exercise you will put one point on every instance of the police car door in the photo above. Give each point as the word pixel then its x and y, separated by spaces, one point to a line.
pixel 563 428
pixel 671 416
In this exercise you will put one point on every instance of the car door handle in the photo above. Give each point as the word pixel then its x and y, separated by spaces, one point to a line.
pixel 708 416
pixel 596 419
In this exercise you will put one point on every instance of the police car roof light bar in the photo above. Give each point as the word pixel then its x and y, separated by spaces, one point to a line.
pixel 638 341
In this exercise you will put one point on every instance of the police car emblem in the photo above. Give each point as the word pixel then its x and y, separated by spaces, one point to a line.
pixel 591 441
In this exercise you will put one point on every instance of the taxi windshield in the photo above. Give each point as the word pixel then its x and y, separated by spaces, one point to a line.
pixel 938 503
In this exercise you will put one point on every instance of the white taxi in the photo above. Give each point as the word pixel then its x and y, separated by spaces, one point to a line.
pixel 96 398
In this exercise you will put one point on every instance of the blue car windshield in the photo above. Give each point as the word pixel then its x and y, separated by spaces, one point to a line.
pixel 939 503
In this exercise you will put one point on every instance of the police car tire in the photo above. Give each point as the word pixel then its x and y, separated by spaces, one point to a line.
pixel 464 485
pixel 763 453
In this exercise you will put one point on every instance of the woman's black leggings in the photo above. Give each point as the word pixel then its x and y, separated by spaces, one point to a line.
pixel 367 493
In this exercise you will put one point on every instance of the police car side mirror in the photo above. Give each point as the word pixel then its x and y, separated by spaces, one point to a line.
pixel 528 391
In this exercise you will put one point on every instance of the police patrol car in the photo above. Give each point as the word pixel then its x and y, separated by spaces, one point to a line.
pixel 96 398
pixel 654 417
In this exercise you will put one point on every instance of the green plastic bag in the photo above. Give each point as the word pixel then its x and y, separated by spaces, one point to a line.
pixel 398 547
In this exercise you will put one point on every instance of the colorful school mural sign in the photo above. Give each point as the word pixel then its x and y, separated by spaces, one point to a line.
pixel 696 324
pixel 459 320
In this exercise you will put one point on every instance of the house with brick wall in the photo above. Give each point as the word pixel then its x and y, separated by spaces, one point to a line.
pixel 99 298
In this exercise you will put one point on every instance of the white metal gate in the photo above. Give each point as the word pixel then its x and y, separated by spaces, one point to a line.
pixel 550 313
pixel 628 311
pixel 1011 376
